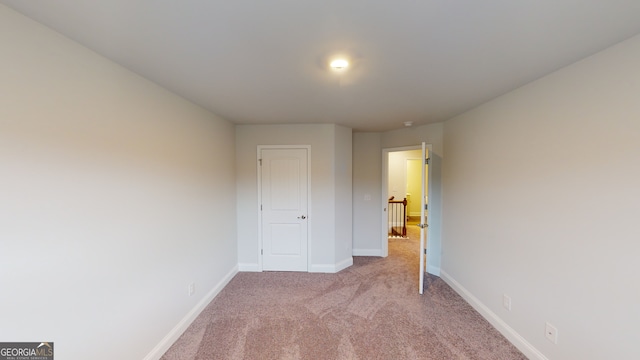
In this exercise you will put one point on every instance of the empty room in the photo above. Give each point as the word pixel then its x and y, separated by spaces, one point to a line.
pixel 215 179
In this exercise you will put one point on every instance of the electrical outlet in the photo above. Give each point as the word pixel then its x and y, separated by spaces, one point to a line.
pixel 506 301
pixel 192 289
pixel 551 333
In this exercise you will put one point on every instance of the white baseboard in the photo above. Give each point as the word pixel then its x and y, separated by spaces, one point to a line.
pixel 175 333
pixel 249 267
pixel 367 252
pixel 322 268
pixel 317 268
pixel 433 270
pixel 518 341
pixel 344 264
pixel 331 268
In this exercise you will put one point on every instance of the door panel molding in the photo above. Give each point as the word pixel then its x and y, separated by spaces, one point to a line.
pixel 294 221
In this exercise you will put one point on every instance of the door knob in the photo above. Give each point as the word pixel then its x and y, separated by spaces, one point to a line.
pixel 302 217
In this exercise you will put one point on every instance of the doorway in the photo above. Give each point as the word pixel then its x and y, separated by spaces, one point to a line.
pixel 283 195
pixel 403 168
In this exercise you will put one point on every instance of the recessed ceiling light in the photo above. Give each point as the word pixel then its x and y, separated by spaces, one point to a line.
pixel 408 123
pixel 339 64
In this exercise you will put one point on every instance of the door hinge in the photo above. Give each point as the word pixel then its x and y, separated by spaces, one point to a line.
pixel 426 206
pixel 260 207
pixel 425 251
pixel 260 160
pixel 262 251
pixel 426 161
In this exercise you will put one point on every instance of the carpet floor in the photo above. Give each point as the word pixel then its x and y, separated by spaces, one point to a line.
pixel 371 310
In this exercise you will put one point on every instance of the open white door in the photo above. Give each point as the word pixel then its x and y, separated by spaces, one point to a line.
pixel 423 219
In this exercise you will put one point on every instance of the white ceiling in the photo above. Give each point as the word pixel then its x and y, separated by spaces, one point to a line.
pixel 257 61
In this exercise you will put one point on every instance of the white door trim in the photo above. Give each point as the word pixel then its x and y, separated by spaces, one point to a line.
pixel 384 249
pixel 309 207
pixel 423 220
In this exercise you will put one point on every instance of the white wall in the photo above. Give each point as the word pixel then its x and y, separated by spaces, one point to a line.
pixel 367 193
pixel 114 196
pixel 541 202
pixel 344 192
pixel 324 142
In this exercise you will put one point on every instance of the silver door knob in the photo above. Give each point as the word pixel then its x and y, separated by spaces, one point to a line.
pixel 302 217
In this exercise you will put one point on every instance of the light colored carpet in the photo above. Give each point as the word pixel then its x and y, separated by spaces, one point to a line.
pixel 371 310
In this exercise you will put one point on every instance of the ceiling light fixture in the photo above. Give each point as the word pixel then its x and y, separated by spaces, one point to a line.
pixel 339 64
pixel 408 123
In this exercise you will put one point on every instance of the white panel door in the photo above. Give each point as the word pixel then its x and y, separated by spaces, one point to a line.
pixel 284 177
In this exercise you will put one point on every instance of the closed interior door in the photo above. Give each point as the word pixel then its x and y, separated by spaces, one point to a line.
pixel 284 190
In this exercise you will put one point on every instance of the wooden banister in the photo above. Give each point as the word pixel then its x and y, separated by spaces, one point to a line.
pixel 397 216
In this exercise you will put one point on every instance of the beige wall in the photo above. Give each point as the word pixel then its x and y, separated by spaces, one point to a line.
pixel 114 196
pixel 329 198
pixel 541 203
pixel 399 175
pixel 415 167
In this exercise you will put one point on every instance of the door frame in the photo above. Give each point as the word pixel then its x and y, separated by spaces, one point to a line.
pixel 259 184
pixel 384 241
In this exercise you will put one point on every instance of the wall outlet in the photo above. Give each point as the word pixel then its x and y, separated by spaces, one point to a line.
pixel 551 333
pixel 192 289
pixel 506 301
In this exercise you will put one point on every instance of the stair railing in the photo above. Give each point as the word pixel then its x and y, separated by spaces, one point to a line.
pixel 397 218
